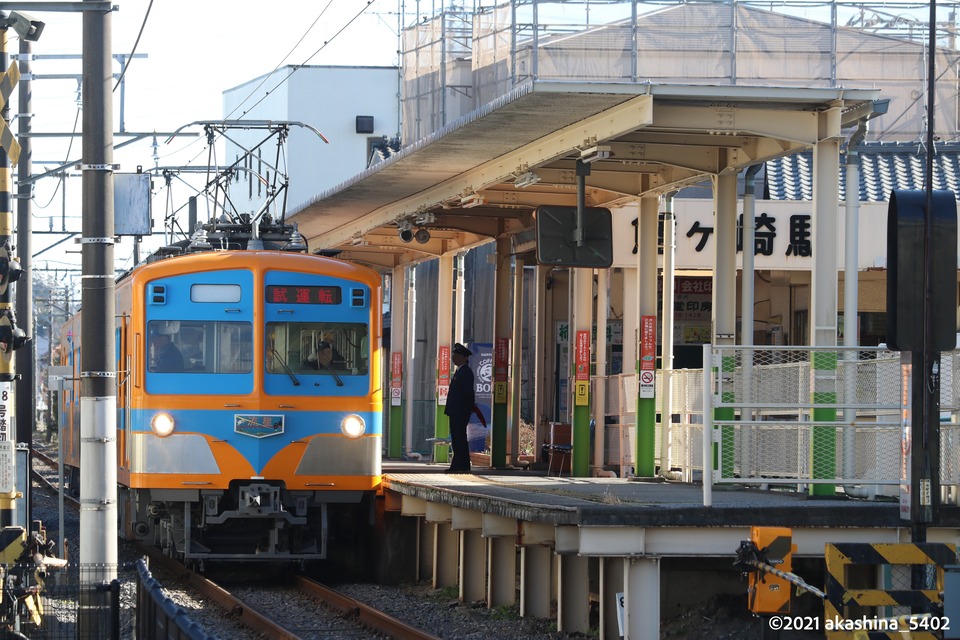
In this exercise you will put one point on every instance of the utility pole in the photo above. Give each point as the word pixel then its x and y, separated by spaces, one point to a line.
pixel 98 395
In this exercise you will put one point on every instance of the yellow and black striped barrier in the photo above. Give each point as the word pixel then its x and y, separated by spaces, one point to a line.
pixel 841 596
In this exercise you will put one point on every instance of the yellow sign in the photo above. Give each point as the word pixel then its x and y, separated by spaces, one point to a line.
pixel 7 140
pixel 499 392
pixel 582 396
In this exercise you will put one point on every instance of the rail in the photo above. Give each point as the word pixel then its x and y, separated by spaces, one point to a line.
pixel 159 617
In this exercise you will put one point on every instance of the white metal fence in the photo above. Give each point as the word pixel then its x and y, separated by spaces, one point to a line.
pixel 791 416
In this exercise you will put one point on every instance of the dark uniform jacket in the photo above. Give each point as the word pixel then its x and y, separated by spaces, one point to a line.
pixel 460 397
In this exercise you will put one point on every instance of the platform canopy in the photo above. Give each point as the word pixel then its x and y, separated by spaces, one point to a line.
pixel 483 175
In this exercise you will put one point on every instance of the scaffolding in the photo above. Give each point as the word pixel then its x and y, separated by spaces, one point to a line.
pixel 458 59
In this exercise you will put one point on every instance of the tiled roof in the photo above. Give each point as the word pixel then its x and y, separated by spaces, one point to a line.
pixel 883 168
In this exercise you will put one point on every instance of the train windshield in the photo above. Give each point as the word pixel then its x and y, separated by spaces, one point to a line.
pixel 330 348
pixel 200 346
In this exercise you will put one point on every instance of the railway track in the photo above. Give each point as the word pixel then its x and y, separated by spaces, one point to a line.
pixel 46 481
pixel 345 610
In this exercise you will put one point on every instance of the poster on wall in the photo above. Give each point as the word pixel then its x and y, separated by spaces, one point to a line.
pixel 692 309
pixel 482 365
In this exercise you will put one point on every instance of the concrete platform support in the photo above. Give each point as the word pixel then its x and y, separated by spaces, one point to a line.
pixel 641 611
pixel 573 603
pixel 446 554
pixel 611 585
pixel 536 572
pixel 426 539
pixel 502 569
pixel 473 565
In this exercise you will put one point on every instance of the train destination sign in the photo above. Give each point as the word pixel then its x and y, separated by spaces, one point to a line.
pixel 297 294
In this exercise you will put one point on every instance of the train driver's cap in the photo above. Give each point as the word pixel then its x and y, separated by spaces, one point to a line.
pixel 461 350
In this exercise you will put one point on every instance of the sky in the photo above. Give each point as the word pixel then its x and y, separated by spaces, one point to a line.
pixel 195 50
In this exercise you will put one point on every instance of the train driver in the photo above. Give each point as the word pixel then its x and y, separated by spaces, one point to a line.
pixel 323 358
pixel 167 357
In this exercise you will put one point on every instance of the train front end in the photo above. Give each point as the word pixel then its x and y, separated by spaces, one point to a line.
pixel 245 442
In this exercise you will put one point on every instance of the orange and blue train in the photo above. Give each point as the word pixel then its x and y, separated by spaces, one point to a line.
pixel 243 443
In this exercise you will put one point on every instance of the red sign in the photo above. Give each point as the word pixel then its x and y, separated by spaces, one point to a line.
pixel 501 356
pixel 443 365
pixel 443 373
pixel 583 355
pixel 290 294
pixel 396 369
pixel 648 343
pixel 648 356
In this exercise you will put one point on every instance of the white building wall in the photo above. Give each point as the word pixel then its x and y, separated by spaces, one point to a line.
pixel 328 99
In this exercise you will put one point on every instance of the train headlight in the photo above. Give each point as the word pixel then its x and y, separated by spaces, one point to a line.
pixel 162 424
pixel 353 426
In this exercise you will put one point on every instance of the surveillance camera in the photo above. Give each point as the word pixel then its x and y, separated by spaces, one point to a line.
pixel 26 26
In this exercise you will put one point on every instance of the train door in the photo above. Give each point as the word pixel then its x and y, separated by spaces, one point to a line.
pixel 123 393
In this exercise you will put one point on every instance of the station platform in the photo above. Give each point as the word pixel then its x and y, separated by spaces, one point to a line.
pixel 618 502
pixel 586 539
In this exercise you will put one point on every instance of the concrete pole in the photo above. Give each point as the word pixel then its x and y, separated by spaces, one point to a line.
pixel 666 332
pixel 747 296
pixel 580 328
pixel 823 301
pixel 98 391
pixel 398 288
pixel 409 348
pixel 631 354
pixel 26 356
pixel 724 295
pixel 540 372
pixel 459 294
pixel 851 290
pixel 646 464
pixel 602 381
pixel 501 351
pixel 516 370
pixel 444 349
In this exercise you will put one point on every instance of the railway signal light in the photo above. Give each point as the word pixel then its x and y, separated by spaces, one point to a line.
pixel 10 269
pixel 12 338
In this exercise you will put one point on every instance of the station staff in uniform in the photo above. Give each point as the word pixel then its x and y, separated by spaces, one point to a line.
pixel 460 404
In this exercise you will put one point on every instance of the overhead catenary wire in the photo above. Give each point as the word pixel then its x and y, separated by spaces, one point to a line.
pixel 126 65
pixel 280 65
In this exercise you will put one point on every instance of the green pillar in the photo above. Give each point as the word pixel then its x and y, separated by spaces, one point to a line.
pixel 646 459
pixel 645 464
pixel 728 364
pixel 823 446
pixel 580 460
pixel 395 414
pixel 581 334
pixel 441 452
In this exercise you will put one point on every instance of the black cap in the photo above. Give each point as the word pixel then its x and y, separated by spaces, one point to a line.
pixel 461 350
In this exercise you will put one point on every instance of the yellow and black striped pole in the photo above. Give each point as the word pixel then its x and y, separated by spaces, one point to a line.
pixel 9 272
